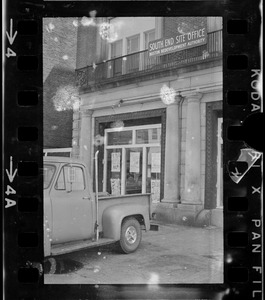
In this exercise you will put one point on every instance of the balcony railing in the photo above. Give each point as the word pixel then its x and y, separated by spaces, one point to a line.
pixel 140 63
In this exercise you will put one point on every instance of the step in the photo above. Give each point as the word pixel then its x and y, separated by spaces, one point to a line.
pixel 79 245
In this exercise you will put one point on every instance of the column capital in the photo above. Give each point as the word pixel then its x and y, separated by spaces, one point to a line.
pixel 177 100
pixel 85 113
pixel 194 97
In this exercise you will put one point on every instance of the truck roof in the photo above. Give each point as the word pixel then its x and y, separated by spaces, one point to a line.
pixel 61 159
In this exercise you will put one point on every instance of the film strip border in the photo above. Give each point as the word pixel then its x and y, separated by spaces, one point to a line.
pixel 22 216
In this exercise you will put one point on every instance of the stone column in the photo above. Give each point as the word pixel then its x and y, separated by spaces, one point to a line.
pixel 172 154
pixel 86 136
pixel 192 192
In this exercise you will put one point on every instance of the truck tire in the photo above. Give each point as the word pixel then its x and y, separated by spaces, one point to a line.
pixel 131 235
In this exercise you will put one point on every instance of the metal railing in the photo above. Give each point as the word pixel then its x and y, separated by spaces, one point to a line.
pixel 140 62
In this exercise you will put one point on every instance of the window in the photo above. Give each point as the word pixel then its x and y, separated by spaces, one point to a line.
pixel 149 62
pixel 120 138
pixel 133 44
pixel 133 60
pixel 148 37
pixel 148 136
pixel 116 53
pixel 71 178
pixel 48 172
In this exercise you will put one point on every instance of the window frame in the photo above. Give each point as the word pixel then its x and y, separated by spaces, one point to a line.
pixel 72 166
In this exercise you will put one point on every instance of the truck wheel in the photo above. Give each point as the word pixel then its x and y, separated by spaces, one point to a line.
pixel 131 235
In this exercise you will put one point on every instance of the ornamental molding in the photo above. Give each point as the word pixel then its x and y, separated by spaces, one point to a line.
pixel 86 113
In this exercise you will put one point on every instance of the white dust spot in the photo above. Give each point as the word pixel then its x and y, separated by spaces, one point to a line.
pixel 75 23
pixel 107 32
pixel 85 21
pixel 50 27
pixel 98 140
pixel 205 54
pixel 96 269
pixel 154 278
pixel 65 98
pixel 65 57
pixel 229 258
pixel 167 94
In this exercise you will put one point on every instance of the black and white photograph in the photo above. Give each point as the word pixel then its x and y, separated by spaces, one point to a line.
pixel 133 150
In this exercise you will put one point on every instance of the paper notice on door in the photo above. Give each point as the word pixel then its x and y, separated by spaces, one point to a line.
pixel 155 190
pixel 115 186
pixel 155 162
pixel 134 162
pixel 115 162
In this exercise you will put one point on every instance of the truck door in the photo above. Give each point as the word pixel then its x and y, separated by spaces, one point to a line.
pixel 72 205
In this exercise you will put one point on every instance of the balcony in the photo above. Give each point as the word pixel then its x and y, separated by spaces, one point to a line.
pixel 139 63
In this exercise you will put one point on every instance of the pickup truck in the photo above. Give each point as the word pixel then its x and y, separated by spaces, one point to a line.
pixel 76 218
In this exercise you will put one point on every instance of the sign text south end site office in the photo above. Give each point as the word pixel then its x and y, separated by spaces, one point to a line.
pixel 179 42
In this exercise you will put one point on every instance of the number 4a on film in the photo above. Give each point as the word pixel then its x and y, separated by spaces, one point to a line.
pixel 9 189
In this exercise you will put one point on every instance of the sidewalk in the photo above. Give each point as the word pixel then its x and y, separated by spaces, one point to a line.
pixel 174 254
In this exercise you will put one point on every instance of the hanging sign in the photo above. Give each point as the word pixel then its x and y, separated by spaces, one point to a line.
pixel 180 41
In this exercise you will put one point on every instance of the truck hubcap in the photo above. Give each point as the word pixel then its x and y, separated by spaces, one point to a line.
pixel 131 235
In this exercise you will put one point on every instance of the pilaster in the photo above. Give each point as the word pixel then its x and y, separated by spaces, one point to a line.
pixel 172 154
pixel 193 151
pixel 86 136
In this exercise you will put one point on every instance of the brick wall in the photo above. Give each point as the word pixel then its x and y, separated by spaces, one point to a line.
pixel 59 63
pixel 88 44
pixel 57 125
pixel 59 44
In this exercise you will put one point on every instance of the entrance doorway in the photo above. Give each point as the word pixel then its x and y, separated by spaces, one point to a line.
pixel 132 161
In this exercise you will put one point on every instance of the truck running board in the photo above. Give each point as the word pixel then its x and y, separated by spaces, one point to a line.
pixel 79 245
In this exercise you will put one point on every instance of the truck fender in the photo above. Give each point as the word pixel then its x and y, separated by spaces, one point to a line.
pixel 113 216
pixel 47 238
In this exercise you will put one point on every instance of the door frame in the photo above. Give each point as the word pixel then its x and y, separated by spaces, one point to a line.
pixel 123 151
pixel 213 112
pixel 103 122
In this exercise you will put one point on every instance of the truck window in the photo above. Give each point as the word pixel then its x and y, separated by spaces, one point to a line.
pixel 48 172
pixel 72 178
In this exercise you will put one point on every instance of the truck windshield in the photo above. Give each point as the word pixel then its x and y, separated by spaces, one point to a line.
pixel 48 172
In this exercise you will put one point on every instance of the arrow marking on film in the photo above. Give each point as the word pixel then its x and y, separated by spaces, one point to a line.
pixel 10 36
pixel 10 174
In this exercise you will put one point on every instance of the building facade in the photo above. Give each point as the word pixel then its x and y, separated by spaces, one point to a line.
pixel 151 103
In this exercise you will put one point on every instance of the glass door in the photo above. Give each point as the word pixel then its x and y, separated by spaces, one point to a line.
pixel 153 172
pixel 114 171
pixel 132 161
pixel 134 176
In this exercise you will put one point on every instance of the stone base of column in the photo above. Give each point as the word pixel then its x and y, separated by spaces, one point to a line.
pixel 182 214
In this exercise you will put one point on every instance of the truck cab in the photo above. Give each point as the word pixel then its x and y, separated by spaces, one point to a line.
pixel 73 213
